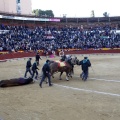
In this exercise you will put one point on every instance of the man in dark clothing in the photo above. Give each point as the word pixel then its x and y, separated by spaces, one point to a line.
pixel 46 53
pixel 84 65
pixel 63 58
pixel 46 73
pixel 28 66
pixel 37 58
pixel 34 69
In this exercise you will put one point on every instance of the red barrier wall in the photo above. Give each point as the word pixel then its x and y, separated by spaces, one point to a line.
pixel 91 51
pixel 16 55
pixel 32 54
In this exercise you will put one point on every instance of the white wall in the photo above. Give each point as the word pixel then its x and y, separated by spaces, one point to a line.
pixel 2 5
pixel 10 6
pixel 26 7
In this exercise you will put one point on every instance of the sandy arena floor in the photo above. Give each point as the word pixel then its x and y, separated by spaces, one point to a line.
pixel 96 99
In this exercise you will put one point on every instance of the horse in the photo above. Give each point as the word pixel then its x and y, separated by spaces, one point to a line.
pixel 63 66
pixel 56 67
pixel 15 82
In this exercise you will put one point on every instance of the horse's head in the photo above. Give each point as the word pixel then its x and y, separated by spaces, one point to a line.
pixel 74 60
pixel 77 62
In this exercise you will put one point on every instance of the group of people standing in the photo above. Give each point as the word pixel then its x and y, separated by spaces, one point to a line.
pixel 34 68
pixel 85 64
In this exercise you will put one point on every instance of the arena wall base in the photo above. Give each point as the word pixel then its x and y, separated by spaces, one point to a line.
pixel 17 55
pixel 3 60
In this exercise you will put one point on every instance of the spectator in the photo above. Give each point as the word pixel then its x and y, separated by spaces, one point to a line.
pixel 24 38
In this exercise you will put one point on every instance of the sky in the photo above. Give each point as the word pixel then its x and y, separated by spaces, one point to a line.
pixel 78 8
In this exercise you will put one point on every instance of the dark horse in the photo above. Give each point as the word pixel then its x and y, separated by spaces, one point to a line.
pixel 58 66
pixel 15 82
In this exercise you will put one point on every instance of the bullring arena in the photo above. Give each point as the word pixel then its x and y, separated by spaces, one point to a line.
pixel 96 99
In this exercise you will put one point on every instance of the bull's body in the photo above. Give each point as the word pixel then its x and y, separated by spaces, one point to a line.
pixel 15 82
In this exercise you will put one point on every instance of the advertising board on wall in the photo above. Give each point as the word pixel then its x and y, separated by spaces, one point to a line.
pixel 30 18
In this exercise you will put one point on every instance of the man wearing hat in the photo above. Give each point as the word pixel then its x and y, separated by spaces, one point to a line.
pixel 37 57
pixel 46 73
pixel 85 64
pixel 28 66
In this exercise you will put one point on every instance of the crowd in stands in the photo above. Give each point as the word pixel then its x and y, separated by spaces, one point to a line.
pixel 14 38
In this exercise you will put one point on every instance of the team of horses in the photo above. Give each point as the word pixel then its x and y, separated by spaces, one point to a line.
pixel 55 67
pixel 64 66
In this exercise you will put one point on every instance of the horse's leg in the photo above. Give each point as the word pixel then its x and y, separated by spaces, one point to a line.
pixel 52 74
pixel 70 74
pixel 73 70
pixel 67 76
pixel 60 76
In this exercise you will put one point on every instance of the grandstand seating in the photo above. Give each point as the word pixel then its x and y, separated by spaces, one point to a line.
pixel 69 33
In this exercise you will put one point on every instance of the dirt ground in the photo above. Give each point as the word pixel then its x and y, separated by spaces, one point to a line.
pixel 96 99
